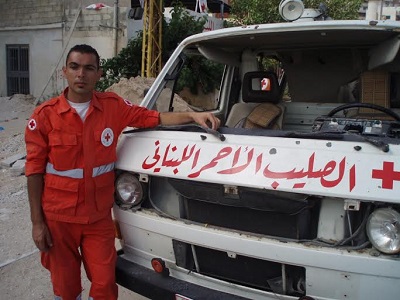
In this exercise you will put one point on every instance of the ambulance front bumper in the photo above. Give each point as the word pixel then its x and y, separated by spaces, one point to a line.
pixel 148 283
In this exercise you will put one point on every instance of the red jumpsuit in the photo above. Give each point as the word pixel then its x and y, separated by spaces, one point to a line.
pixel 77 159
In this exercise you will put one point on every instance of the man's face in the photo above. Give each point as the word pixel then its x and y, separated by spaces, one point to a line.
pixel 82 73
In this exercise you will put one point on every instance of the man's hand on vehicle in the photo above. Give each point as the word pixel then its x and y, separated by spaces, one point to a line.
pixel 206 118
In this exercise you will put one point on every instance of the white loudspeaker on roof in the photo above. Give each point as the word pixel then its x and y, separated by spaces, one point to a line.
pixel 291 10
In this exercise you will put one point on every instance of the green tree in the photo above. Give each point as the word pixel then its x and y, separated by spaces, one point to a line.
pixel 338 9
pixel 181 25
pixel 247 12
pixel 127 63
pixel 197 71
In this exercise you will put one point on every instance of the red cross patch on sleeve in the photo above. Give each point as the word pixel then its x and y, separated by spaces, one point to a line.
pixel 32 124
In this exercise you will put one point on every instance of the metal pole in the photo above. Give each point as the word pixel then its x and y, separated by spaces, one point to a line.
pixel 115 28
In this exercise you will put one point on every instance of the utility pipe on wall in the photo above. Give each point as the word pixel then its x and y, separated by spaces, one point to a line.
pixel 372 12
pixel 115 28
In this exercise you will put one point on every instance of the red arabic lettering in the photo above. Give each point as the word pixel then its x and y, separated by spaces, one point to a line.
pixel 329 168
pixel 156 158
pixel 287 175
pixel 236 156
pixel 238 169
pixel 169 162
pixel 196 159
pixel 224 152
pixel 311 173
pixel 258 163
pixel 176 162
pixel 185 157
pixel 352 177
pixel 325 174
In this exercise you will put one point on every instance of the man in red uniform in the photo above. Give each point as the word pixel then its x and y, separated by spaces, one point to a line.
pixel 71 150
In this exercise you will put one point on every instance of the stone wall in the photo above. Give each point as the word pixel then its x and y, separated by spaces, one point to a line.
pixel 45 26
pixel 42 12
pixel 92 21
pixel 31 12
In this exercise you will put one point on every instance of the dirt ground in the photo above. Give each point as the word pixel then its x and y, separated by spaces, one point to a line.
pixel 21 275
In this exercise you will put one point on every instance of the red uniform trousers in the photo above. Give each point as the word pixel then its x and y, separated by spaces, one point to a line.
pixel 94 245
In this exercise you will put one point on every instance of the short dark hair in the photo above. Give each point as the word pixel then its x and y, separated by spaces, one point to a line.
pixel 84 49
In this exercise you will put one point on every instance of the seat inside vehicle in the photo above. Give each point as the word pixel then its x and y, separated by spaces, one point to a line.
pixel 261 105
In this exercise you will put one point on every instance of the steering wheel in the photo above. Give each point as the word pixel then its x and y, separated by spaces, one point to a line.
pixel 364 105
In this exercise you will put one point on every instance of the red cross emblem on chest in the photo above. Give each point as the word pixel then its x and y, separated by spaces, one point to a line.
pixel 107 137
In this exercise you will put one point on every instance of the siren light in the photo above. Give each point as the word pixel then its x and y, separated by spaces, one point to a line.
pixel 291 10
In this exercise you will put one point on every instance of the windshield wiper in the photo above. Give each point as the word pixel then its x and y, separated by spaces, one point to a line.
pixel 334 135
pixel 374 142
pixel 216 133
pixel 339 135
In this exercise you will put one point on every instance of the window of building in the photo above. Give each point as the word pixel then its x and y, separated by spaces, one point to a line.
pixel 17 69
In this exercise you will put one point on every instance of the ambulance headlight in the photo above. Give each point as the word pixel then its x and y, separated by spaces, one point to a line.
pixel 383 230
pixel 129 190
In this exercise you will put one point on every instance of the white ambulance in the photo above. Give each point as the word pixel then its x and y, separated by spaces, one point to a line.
pixel 296 196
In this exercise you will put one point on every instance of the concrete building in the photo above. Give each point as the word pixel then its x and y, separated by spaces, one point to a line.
pixel 380 10
pixel 35 36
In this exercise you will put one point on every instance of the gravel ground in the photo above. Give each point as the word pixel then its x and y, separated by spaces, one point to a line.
pixel 22 276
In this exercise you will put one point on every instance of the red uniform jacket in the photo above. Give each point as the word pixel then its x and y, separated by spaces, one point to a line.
pixel 77 158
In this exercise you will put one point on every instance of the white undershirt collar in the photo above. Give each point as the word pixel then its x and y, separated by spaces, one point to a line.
pixel 81 108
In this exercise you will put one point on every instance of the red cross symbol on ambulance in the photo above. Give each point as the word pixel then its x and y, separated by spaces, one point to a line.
pixel 107 137
pixel 265 84
pixel 388 175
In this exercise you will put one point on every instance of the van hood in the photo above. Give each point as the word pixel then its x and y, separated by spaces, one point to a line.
pixel 335 168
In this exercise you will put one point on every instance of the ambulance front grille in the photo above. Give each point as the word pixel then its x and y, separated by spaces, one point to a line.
pixel 247 271
pixel 256 211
